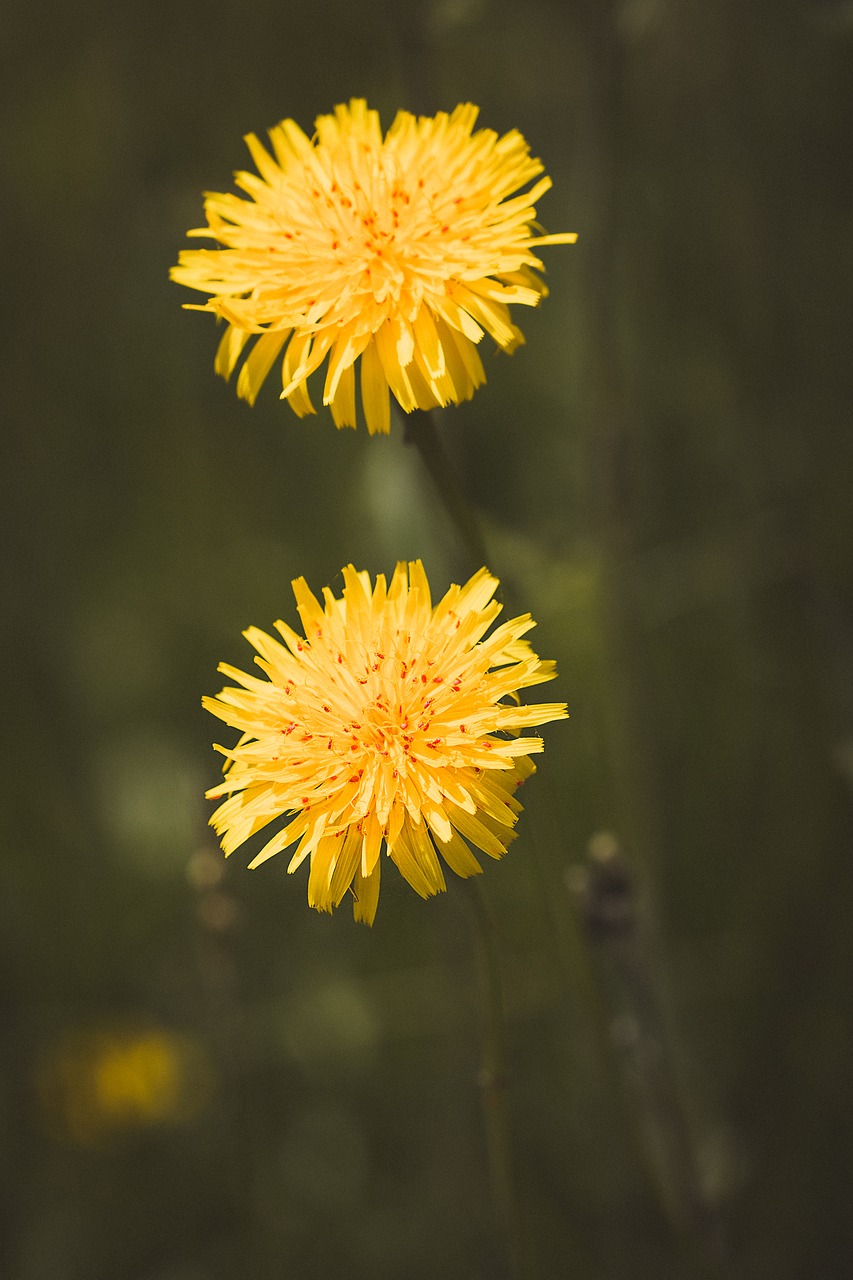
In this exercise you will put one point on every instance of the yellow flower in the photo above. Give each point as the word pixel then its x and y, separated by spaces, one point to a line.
pixel 94 1084
pixel 401 251
pixel 392 723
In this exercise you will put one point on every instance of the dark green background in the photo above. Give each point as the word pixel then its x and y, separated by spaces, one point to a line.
pixel 664 475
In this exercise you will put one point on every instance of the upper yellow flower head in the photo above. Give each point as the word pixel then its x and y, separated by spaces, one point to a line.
pixel 392 723
pixel 402 250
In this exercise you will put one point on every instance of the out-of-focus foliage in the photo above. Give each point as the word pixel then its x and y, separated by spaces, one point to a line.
pixel 200 1077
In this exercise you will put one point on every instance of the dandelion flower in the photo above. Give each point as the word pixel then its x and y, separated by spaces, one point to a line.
pixel 400 251
pixel 391 725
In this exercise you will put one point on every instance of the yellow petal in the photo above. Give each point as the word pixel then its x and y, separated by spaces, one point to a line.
pixel 258 364
pixel 374 392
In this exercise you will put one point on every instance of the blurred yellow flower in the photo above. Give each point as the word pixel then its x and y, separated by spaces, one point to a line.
pixel 402 251
pixel 97 1084
pixel 392 723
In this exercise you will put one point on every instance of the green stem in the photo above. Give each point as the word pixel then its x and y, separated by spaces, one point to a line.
pixel 493 1079
pixel 420 431
pixel 612 917
pixel 581 975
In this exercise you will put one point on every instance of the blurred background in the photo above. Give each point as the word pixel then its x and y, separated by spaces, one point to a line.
pixel 201 1078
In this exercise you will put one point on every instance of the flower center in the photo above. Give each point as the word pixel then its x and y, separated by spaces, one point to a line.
pixel 382 231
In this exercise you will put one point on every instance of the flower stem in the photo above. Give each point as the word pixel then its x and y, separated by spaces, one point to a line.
pixel 420 430
pixel 608 896
pixel 494 1080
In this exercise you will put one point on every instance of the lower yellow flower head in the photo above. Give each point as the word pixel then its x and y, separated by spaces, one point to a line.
pixel 392 724
pixel 402 251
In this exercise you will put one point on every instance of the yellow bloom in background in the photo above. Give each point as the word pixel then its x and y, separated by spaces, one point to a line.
pixel 403 251
pixel 96 1084
pixel 391 724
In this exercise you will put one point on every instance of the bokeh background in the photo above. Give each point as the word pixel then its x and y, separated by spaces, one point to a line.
pixel 199 1077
